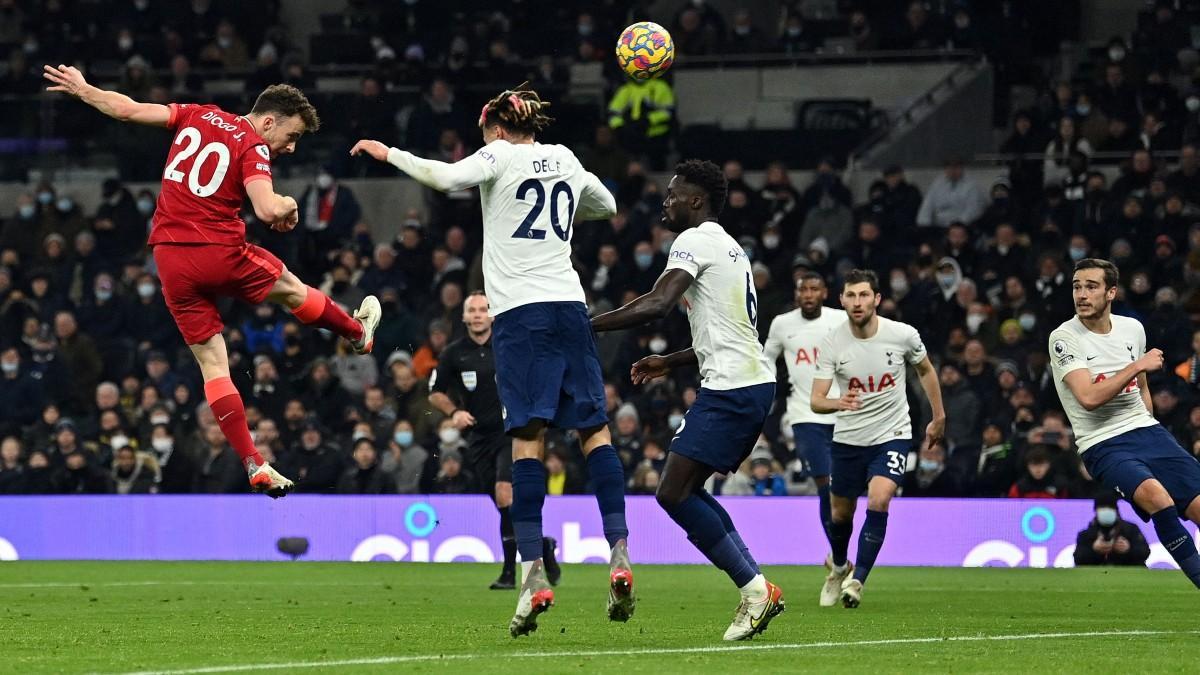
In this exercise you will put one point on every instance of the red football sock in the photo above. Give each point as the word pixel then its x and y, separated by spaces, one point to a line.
pixel 227 407
pixel 318 310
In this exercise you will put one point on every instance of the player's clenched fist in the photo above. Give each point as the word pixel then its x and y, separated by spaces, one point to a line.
pixel 1151 360
pixel 375 149
pixel 648 368
pixel 289 220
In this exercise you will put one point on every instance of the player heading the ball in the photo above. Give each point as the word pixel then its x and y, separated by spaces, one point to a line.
pixel 216 160
pixel 547 367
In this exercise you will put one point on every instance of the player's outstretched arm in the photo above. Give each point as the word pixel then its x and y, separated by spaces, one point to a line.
pixel 278 211
pixel 650 307
pixel 1092 395
pixel 118 106
pixel 463 174
pixel 933 390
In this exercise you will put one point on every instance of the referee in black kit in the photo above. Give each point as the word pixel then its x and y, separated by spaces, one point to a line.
pixel 466 377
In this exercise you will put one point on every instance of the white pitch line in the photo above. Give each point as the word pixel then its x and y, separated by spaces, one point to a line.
pixel 108 584
pixel 387 660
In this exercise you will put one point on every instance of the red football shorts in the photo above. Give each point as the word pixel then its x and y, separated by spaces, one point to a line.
pixel 194 276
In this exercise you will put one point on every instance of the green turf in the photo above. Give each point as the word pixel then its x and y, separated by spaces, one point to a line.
pixel 118 617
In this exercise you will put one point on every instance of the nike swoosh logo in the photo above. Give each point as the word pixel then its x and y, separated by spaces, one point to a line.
pixel 1090 358
pixel 842 363
pixel 222 417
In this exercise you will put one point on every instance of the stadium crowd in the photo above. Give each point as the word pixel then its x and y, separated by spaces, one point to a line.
pixel 98 393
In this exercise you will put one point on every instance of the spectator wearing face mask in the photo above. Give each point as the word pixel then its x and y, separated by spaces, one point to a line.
pixel 21 233
pixel 150 323
pixel 64 217
pixel 412 466
pixel 647 267
pixel 21 395
pixel 933 477
pixel 1109 540
pixel 448 437
pixel 176 469
pixel 328 214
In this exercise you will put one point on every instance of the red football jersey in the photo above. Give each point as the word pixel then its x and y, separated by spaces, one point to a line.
pixel 215 154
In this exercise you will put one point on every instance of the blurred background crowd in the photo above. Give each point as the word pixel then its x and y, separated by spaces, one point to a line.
pixel 98 394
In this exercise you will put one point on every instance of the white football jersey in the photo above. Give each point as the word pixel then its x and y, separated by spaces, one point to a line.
pixel 799 340
pixel 878 368
pixel 1073 347
pixel 722 308
pixel 532 194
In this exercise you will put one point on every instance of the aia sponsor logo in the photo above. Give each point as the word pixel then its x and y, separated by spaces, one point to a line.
pixel 871 384
pixel 802 356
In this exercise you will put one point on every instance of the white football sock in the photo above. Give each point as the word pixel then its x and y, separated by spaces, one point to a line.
pixel 756 589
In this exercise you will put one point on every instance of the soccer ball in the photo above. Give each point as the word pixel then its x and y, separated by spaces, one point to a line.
pixel 645 50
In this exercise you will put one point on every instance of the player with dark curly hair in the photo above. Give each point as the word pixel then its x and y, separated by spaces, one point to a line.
pixel 547 367
pixel 708 271
pixel 216 162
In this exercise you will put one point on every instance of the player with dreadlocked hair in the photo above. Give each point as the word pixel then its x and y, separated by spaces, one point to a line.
pixel 520 110
pixel 547 368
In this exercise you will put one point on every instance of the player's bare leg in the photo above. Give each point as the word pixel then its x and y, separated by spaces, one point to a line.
pixel 608 477
pixel 314 308
pixel 230 414
pixel 1152 497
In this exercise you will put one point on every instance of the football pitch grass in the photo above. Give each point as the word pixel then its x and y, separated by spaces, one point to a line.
pixel 121 617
